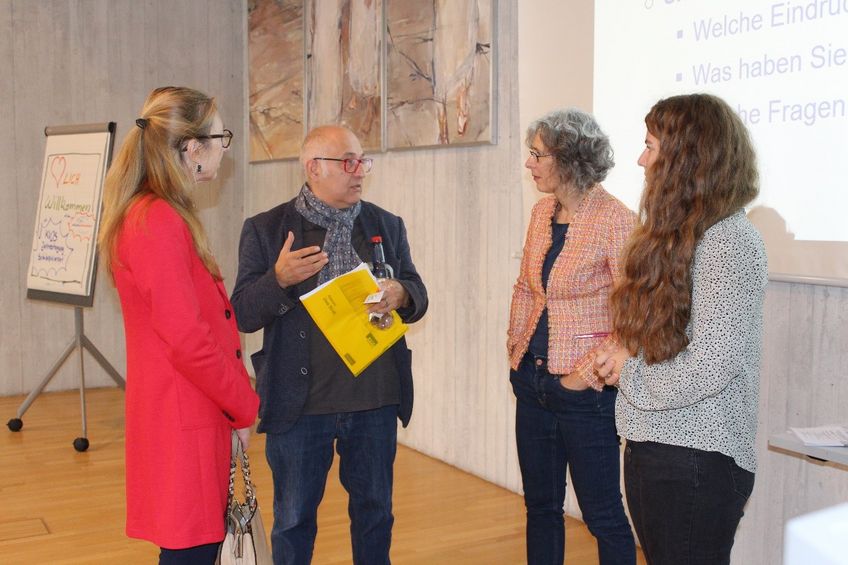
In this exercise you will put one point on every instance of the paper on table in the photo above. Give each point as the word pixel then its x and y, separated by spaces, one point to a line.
pixel 823 436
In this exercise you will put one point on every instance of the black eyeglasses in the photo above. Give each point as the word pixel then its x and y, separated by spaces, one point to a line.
pixel 351 165
pixel 536 155
pixel 225 137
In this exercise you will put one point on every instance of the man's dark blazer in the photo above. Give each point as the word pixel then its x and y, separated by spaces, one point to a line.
pixel 282 365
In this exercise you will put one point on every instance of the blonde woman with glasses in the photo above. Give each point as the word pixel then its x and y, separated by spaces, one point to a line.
pixel 187 387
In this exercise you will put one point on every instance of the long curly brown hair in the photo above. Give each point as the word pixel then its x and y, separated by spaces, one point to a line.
pixel 705 170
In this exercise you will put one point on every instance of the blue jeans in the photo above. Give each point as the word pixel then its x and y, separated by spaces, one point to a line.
pixel 300 459
pixel 558 428
pixel 685 503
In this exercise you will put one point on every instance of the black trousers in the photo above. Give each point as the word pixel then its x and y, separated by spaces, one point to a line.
pixel 685 503
pixel 197 555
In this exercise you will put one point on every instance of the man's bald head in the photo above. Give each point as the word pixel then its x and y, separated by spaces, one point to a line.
pixel 322 154
pixel 325 141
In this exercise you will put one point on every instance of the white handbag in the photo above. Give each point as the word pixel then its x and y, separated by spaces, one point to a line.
pixel 244 543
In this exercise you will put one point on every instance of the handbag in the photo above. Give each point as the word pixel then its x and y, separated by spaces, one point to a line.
pixel 244 543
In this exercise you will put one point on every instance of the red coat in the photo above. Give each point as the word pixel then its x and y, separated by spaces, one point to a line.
pixel 186 385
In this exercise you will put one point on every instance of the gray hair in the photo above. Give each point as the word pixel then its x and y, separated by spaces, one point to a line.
pixel 581 151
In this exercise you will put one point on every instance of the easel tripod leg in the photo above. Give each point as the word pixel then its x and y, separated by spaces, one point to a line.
pixel 82 342
pixel 81 443
pixel 16 423
pixel 116 376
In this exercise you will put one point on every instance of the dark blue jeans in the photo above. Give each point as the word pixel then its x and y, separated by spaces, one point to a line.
pixel 557 428
pixel 685 503
pixel 197 555
pixel 300 460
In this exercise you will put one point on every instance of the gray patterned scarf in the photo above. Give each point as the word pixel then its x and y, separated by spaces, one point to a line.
pixel 339 225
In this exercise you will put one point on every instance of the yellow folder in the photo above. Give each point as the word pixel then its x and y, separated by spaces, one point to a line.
pixel 338 308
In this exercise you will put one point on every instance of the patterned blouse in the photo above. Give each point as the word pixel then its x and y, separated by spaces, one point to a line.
pixel 706 396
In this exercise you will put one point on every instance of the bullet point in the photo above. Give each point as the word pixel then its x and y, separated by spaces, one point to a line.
pixel 679 34
pixel 679 77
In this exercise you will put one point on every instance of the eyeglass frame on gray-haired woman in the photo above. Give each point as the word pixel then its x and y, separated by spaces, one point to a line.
pixel 536 155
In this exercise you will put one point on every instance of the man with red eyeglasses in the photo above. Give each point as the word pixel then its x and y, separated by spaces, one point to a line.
pixel 310 401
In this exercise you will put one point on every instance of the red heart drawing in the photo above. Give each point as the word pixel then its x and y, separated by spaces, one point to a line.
pixel 58 162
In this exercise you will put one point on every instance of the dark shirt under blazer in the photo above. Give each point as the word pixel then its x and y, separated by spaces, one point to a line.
pixel 283 366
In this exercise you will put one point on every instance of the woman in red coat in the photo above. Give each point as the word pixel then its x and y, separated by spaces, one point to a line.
pixel 187 388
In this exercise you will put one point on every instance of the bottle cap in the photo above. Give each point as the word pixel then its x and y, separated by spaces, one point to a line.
pixel 376 239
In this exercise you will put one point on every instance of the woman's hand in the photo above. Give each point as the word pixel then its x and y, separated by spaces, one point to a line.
pixel 608 362
pixel 573 381
pixel 244 437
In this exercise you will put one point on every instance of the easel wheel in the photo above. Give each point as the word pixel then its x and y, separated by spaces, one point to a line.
pixel 15 424
pixel 81 444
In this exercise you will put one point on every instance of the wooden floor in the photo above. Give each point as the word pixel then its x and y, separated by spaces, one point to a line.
pixel 62 507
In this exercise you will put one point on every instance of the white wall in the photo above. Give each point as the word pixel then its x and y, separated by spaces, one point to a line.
pixel 72 62
pixel 802 383
pixel 555 46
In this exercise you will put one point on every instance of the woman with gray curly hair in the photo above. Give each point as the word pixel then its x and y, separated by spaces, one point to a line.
pixel 565 417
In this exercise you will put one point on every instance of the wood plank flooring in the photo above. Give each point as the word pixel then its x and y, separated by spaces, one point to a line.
pixel 63 507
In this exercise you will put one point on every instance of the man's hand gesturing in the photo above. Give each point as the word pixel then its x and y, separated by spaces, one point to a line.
pixel 293 267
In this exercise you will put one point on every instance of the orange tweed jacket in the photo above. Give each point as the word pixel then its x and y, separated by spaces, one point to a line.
pixel 579 284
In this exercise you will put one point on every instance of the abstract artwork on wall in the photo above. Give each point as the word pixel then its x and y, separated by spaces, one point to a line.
pixel 343 62
pixel 439 72
pixel 399 73
pixel 275 51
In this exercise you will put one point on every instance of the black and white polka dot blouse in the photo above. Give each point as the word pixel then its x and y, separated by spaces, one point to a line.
pixel 706 396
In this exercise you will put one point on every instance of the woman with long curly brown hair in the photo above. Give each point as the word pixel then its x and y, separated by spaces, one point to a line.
pixel 688 315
